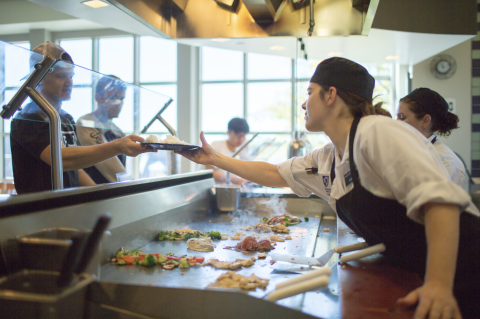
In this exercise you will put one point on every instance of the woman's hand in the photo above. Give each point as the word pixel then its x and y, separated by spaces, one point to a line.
pixel 203 155
pixel 128 145
pixel 434 300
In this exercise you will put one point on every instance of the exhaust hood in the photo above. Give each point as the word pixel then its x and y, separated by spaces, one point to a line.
pixel 251 18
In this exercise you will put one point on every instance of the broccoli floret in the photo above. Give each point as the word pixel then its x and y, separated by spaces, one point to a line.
pixel 120 254
pixel 264 219
pixel 149 261
pixel 161 259
pixel 187 236
pixel 184 263
pixel 121 263
pixel 136 252
pixel 215 235
pixel 161 236
pixel 174 262
pixel 306 219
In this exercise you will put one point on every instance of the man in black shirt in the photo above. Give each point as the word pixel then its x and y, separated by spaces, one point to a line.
pixel 30 134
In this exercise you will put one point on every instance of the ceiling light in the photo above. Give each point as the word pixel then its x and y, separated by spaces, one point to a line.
pixel 335 54
pixel 392 57
pixel 95 4
pixel 277 48
pixel 220 40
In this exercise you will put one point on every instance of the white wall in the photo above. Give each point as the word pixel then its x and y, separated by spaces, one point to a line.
pixel 457 87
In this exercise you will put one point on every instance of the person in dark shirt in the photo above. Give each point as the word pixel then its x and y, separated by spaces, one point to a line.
pixel 30 134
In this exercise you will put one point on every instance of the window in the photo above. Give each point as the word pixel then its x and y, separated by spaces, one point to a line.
pixel 14 64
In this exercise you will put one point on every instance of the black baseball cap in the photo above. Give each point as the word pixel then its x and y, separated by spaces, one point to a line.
pixel 345 74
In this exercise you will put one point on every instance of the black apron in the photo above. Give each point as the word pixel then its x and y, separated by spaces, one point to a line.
pixel 381 220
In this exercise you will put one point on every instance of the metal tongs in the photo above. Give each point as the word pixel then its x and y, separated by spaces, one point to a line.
pixel 310 281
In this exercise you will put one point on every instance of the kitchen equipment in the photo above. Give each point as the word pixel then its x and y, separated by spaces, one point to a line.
pixel 228 197
pixel 313 280
pixel 70 261
pixel 312 261
pixel 92 242
pixel 363 253
pixel 34 294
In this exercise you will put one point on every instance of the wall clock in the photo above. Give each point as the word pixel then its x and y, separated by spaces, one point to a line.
pixel 443 66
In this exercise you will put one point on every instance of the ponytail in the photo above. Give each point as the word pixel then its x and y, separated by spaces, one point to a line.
pixel 446 126
pixel 443 127
pixel 357 105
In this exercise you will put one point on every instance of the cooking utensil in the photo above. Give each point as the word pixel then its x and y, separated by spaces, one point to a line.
pixel 92 242
pixel 363 253
pixel 312 261
pixel 70 261
pixel 171 147
pixel 340 249
pixel 303 283
pixel 228 197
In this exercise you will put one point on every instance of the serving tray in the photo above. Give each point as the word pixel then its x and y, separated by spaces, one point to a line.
pixel 171 147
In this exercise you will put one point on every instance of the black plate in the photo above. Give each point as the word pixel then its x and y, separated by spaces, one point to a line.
pixel 171 147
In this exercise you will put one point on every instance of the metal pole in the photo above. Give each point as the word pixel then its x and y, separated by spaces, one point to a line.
pixel 55 136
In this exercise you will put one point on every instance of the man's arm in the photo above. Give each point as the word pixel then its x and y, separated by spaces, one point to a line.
pixel 90 136
pixel 84 179
pixel 78 157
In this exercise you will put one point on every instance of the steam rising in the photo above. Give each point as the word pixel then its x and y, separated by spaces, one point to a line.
pixel 265 207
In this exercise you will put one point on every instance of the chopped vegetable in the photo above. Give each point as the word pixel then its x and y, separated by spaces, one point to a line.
pixel 119 254
pixel 121 263
pixel 128 259
pixel 192 262
pixel 306 219
pixel 169 254
pixel 149 261
pixel 161 259
pixel 199 259
pixel 215 235
pixel 136 252
pixel 264 219
pixel 184 263
pixel 161 236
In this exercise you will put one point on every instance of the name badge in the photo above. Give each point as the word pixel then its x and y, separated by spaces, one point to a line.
pixel 348 178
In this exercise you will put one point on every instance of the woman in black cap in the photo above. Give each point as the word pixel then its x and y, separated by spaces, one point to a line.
pixel 427 111
pixel 387 189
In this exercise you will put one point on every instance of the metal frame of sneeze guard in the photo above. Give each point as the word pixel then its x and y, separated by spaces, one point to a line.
pixel 28 89
pixel 168 127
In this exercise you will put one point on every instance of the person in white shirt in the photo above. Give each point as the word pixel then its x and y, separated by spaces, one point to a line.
pixel 427 111
pixel 387 183
pixel 237 130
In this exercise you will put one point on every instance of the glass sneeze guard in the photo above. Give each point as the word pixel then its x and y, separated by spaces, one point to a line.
pixel 95 109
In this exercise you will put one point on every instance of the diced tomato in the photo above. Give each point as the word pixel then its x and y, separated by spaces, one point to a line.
pixel 156 255
pixel 141 257
pixel 199 259
pixel 174 258
pixel 128 259
pixel 192 261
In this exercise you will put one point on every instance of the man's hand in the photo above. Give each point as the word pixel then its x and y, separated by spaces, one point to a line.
pixel 434 302
pixel 128 145
pixel 203 155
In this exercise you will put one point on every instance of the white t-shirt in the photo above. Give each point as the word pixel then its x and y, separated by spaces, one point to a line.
pixel 394 161
pixel 222 147
pixel 452 163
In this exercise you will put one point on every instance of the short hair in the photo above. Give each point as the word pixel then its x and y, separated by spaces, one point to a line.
pixel 238 125
pixel 109 82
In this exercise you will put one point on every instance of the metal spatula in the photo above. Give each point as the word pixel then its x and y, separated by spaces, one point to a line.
pixel 312 261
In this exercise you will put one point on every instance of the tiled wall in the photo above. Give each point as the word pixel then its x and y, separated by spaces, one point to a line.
pixel 476 99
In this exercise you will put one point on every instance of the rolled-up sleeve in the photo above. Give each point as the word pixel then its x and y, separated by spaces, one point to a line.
pixel 303 184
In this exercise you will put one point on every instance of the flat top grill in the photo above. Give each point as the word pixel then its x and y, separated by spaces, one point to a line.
pixel 197 277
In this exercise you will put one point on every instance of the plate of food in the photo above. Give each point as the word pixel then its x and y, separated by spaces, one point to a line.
pixel 170 143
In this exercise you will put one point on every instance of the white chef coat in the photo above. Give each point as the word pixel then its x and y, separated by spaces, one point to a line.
pixel 394 161
pixel 452 163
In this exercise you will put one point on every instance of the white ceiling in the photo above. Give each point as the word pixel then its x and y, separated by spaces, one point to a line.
pixel 411 47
